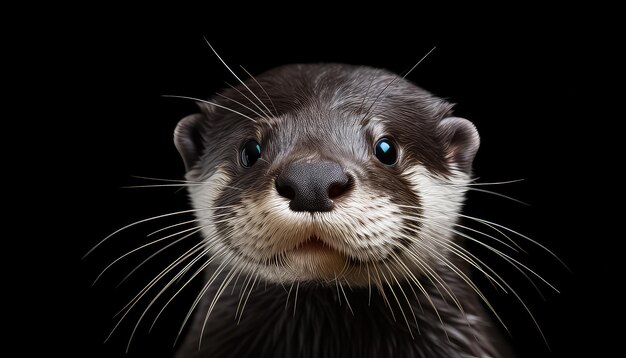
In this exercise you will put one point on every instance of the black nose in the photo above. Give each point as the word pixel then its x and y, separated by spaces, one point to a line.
pixel 312 185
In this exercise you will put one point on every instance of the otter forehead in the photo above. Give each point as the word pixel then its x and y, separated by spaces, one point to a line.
pixel 328 110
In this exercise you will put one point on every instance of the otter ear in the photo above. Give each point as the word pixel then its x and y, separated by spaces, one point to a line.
pixel 461 141
pixel 188 139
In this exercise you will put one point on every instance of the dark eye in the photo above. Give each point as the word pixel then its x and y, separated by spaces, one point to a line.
pixel 386 151
pixel 250 153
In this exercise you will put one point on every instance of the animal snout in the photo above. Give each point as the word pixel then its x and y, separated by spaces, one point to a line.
pixel 312 185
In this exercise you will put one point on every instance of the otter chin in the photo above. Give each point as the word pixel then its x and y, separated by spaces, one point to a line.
pixel 315 260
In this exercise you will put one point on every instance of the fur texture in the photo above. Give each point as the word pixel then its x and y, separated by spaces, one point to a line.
pixel 391 282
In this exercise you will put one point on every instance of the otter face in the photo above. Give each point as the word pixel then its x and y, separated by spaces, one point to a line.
pixel 320 173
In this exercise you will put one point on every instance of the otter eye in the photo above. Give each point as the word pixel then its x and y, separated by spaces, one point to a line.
pixel 385 151
pixel 250 153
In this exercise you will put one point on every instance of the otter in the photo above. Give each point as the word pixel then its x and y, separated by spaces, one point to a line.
pixel 328 198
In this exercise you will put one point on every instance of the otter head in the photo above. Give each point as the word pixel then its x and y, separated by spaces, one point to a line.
pixel 318 173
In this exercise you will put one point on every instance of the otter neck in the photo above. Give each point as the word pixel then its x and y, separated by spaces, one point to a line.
pixel 327 321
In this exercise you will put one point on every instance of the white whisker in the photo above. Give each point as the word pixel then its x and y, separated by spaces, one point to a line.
pixel 202 292
pixel 369 110
pixel 408 302
pixel 264 91
pixel 126 309
pixel 243 105
pixel 520 235
pixel 393 292
pixel 166 180
pixel 141 222
pixel 265 115
pixel 498 194
pixel 344 295
pixel 195 230
pixel 295 300
pixel 247 297
pixel 211 103
pixel 233 72
pixel 484 183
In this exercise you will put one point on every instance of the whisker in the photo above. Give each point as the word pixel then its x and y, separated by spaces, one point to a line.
pixel 289 295
pixel 143 247
pixel 265 115
pixel 525 276
pixel 136 299
pixel 369 286
pixel 143 221
pixel 516 264
pixel 519 299
pixel 264 91
pixel 509 288
pixel 395 79
pixel 248 282
pixel 235 283
pixel 518 269
pixel 485 183
pixel 393 292
pixel 487 223
pixel 152 302
pixel 500 195
pixel 513 242
pixel 206 287
pixel 295 300
pixel 463 254
pixel 459 252
pixel 176 279
pixel 153 255
pixel 242 291
pixel 428 271
pixel 198 250
pixel 220 290
pixel 161 250
pixel 243 105
pixel 431 274
pixel 344 295
pixel 518 234
pixel 344 269
pixel 233 72
pixel 211 103
pixel 248 296
pixel 161 185
pixel 408 302
pixel 172 226
pixel 201 246
pixel 367 92
pixel 487 235
pixel 178 185
pixel 381 290
pixel 426 295
pixel 166 180
pixel 515 249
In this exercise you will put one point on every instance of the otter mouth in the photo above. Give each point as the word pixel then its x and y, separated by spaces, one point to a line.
pixel 313 244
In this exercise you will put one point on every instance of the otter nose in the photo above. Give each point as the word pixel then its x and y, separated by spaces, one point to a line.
pixel 312 185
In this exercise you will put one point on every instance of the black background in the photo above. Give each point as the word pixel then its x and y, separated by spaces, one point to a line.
pixel 532 83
